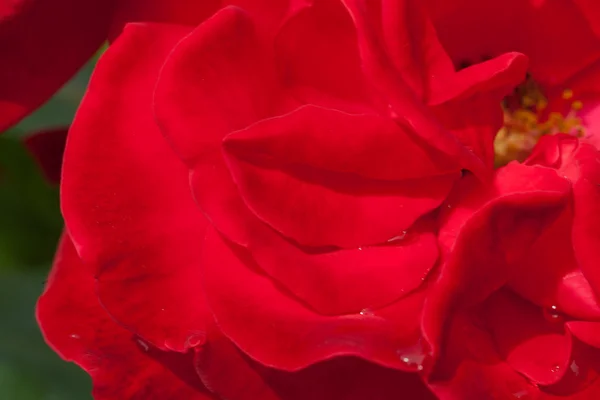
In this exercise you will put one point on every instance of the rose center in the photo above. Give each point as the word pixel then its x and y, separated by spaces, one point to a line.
pixel 528 115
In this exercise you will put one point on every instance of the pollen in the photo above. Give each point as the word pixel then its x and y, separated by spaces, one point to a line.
pixel 528 116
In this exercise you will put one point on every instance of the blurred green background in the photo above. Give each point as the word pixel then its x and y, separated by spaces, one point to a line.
pixel 29 230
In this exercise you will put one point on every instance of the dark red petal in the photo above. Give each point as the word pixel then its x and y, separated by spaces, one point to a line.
pixel 278 331
pixel 42 44
pixel 215 81
pixel 233 376
pixel 126 197
pixel 122 366
pixel 318 58
pixel 472 30
pixel 396 92
pixel 307 175
pixel 228 372
pixel 47 147
pixel 534 346
pixel 347 378
pixel 470 367
pixel 182 12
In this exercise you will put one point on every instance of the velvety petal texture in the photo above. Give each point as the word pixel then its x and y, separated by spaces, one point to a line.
pixel 126 201
pixel 42 44
pixel 122 365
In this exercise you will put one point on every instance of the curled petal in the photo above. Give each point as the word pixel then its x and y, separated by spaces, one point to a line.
pixel 122 366
pixel 126 198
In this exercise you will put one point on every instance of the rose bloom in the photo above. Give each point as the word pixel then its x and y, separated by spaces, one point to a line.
pixel 251 204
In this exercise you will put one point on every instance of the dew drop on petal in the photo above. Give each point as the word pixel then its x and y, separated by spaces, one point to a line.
pixel 398 238
pixel 366 312
pixel 195 340
pixel 143 344
pixel 552 314
pixel 74 336
pixel 521 394
pixel 575 368
pixel 413 357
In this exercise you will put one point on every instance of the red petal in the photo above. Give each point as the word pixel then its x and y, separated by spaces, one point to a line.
pixel 493 227
pixel 396 91
pixel 42 44
pixel 47 148
pixel 78 328
pixel 535 347
pixel 313 162
pixel 503 220
pixel 365 145
pixel 278 331
pixel 126 197
pixel 586 221
pixel 335 281
pixel 471 368
pixel 587 332
pixel 472 30
pixel 591 11
pixel 466 102
pixel 551 264
pixel 215 81
pixel 318 58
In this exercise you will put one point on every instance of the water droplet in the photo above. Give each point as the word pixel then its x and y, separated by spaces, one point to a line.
pixel 520 394
pixel 143 344
pixel 360 248
pixel 398 237
pixel 195 340
pixel 575 368
pixel 552 314
pixel 74 336
pixel 366 312
pixel 414 356
pixel 449 206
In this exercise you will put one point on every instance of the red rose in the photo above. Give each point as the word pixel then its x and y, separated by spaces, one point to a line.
pixel 516 300
pixel 276 245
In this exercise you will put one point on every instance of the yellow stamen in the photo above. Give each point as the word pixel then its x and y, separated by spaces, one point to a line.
pixel 567 94
pixel 524 125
